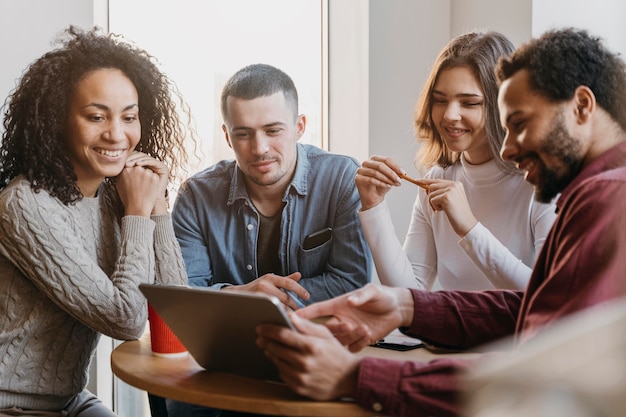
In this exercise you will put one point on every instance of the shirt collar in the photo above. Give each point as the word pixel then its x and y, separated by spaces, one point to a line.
pixel 299 181
pixel 303 166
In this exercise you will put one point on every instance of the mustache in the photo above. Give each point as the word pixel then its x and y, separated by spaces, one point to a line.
pixel 265 157
pixel 528 155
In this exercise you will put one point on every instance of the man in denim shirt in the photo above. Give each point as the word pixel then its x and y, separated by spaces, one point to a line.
pixel 281 218
pixel 244 224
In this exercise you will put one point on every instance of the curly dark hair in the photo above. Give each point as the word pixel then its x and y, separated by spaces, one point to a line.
pixel 561 60
pixel 36 112
pixel 478 51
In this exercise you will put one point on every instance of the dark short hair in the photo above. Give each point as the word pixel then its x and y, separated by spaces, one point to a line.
pixel 260 80
pixel 478 51
pixel 36 112
pixel 561 60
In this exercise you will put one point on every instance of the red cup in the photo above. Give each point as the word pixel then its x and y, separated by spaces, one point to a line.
pixel 163 341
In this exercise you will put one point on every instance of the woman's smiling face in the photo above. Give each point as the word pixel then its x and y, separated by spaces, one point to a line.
pixel 103 127
pixel 458 113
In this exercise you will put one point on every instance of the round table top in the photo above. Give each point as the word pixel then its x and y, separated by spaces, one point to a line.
pixel 184 380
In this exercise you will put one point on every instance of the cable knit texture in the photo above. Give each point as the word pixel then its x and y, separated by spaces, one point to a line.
pixel 67 275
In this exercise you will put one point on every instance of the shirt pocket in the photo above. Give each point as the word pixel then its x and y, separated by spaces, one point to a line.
pixel 313 261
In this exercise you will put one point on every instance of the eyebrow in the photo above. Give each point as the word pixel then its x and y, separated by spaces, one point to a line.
pixel 510 116
pixel 103 107
pixel 441 93
pixel 265 126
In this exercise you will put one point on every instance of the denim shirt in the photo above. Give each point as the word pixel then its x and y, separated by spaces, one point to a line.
pixel 217 226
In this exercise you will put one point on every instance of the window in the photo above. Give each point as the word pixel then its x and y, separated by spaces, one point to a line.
pixel 200 44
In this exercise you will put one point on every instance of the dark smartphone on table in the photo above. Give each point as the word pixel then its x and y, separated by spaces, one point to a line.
pixel 402 347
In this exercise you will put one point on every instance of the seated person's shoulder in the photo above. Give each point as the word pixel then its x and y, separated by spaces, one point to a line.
pixel 19 189
pixel 213 175
pixel 617 174
pixel 320 156
pixel 19 203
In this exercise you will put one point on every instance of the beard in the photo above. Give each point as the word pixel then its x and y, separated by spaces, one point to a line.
pixel 560 145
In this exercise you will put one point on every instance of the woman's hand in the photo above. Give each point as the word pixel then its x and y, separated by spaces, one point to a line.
pixel 375 178
pixel 142 185
pixel 449 197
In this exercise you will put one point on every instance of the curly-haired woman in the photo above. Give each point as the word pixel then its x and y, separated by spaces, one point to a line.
pixel 91 139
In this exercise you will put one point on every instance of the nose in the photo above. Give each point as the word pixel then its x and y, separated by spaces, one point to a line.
pixel 509 150
pixel 115 131
pixel 452 112
pixel 260 144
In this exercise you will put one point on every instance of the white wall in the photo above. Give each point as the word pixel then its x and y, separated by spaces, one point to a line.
pixel 510 17
pixel 348 77
pixel 404 39
pixel 604 18
pixel 29 27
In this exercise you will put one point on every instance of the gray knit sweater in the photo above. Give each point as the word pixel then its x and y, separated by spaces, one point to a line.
pixel 67 275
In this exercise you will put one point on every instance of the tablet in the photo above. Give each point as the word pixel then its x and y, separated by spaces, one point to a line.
pixel 218 328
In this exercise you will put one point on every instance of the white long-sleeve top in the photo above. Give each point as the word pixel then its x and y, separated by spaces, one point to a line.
pixel 498 252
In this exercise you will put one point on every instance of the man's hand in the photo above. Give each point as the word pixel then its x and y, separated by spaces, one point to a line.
pixel 312 362
pixel 361 317
pixel 272 284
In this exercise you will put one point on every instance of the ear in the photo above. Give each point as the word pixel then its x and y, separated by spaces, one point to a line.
pixel 301 125
pixel 585 102
pixel 225 130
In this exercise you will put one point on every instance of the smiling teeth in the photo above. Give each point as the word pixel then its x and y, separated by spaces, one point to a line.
pixel 110 153
pixel 529 166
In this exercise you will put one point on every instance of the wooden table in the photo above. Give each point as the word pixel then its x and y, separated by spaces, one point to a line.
pixel 184 380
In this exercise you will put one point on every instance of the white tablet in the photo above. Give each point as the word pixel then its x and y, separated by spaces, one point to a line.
pixel 218 328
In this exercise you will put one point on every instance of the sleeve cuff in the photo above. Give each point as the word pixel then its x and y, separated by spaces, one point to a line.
pixel 137 228
pixel 377 386
pixel 164 229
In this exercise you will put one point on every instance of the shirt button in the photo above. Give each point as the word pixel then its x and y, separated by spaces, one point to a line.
pixel 378 407
pixel 249 267
pixel 249 227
